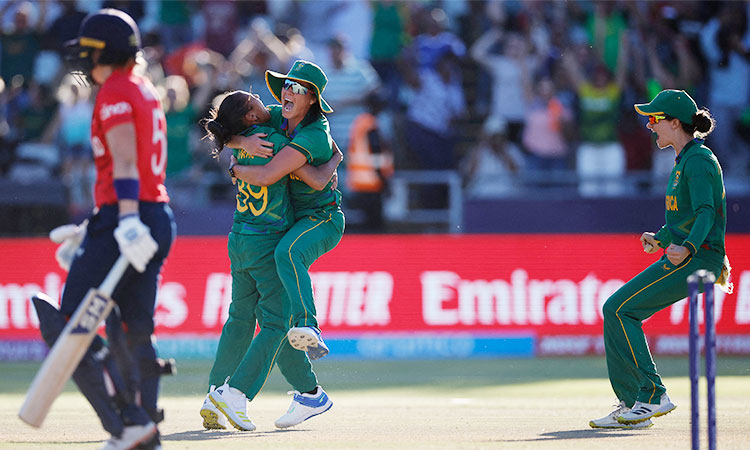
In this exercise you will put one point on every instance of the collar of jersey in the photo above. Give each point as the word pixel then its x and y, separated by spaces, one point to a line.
pixel 689 145
pixel 285 127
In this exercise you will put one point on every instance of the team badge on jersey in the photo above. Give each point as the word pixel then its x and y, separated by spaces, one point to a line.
pixel 676 179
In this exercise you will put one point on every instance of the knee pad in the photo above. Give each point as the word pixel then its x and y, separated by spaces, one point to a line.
pixel 99 381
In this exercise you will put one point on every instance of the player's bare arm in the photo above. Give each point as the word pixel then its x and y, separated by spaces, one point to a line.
pixel 253 145
pixel 122 144
pixel 283 163
pixel 133 237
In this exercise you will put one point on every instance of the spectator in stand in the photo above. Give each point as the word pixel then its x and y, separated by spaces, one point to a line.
pixel 669 61
pixel 7 142
pixel 20 44
pixel 182 111
pixel 66 26
pixel 135 8
pixel 547 127
pixel 430 44
pixel 726 45
pixel 259 51
pixel 36 113
pixel 297 45
pixel 175 24
pixel 600 158
pixel 221 22
pixel 388 39
pixel 437 100
pixel 350 81
pixel 71 128
pixel 506 70
pixel 606 28
pixel 492 159
pixel 369 164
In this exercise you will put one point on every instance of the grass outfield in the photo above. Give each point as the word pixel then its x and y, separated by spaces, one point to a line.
pixel 542 403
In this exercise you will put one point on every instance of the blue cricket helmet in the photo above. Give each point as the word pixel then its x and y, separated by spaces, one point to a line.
pixel 110 30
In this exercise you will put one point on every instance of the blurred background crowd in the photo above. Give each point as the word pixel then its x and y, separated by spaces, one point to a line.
pixel 494 98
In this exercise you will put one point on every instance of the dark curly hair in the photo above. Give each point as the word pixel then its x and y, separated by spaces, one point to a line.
pixel 227 120
pixel 702 124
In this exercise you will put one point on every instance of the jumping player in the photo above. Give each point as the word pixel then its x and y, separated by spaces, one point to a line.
pixel 263 214
pixel 693 239
pixel 132 218
pixel 319 221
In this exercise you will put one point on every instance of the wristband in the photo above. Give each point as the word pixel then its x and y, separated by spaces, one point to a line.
pixel 127 188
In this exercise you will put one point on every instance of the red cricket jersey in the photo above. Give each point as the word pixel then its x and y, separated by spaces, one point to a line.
pixel 127 97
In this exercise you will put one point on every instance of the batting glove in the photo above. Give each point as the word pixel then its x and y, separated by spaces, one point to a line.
pixel 135 241
pixel 69 237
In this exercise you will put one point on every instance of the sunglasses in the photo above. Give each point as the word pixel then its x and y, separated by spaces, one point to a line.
pixel 653 120
pixel 295 87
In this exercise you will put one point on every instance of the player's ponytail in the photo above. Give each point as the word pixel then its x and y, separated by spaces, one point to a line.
pixel 227 120
pixel 703 124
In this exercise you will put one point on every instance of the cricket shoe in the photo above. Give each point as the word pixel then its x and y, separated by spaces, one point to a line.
pixel 131 437
pixel 610 420
pixel 307 339
pixel 303 407
pixel 644 411
pixel 213 419
pixel 233 403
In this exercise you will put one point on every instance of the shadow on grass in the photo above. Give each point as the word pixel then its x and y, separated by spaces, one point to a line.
pixel 590 433
pixel 208 435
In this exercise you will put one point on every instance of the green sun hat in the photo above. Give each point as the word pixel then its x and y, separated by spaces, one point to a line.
pixel 300 71
pixel 670 102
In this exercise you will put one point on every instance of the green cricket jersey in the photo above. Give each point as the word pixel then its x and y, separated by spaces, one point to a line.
pixel 314 142
pixel 695 203
pixel 262 209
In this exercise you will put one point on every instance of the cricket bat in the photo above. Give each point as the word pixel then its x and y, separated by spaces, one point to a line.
pixel 70 347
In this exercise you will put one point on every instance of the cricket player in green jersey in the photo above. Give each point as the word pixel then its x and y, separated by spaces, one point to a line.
pixel 692 239
pixel 319 221
pixel 263 214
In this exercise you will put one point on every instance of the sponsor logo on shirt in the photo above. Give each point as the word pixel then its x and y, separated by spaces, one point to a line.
pixel 116 109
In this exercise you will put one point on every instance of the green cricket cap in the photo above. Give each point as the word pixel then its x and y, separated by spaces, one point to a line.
pixel 300 71
pixel 670 102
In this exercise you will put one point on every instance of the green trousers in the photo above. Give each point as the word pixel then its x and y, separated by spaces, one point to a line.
pixel 631 368
pixel 308 239
pixel 257 294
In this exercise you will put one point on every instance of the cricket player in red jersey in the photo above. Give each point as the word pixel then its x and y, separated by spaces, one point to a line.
pixel 132 218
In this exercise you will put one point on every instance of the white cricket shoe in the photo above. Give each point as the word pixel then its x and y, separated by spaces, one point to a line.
pixel 644 411
pixel 233 403
pixel 307 339
pixel 131 437
pixel 213 419
pixel 303 407
pixel 610 420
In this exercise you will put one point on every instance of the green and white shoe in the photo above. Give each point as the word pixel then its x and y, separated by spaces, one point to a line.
pixel 233 403
pixel 213 419
pixel 644 411
pixel 611 420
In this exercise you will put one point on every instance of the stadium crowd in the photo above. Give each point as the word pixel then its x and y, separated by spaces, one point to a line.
pixel 512 95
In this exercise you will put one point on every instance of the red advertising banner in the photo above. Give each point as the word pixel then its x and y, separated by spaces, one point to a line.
pixel 536 285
